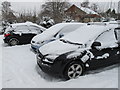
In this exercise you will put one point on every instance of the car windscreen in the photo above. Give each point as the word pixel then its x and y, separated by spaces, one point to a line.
pixel 84 34
pixel 69 42
pixel 67 29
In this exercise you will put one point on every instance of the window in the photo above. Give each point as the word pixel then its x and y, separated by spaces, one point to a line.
pixel 107 39
pixel 22 28
pixel 34 29
pixel 117 33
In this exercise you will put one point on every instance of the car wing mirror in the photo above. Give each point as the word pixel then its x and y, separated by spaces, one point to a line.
pixel 61 35
pixel 95 44
pixel 52 39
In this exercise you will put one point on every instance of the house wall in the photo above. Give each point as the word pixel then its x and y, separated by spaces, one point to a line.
pixel 77 14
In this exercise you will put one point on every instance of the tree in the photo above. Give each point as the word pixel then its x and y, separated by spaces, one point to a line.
pixel 113 13
pixel 94 7
pixel 108 12
pixel 54 9
pixel 7 13
pixel 85 4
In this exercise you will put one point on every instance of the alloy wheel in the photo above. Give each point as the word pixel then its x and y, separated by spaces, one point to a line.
pixel 74 71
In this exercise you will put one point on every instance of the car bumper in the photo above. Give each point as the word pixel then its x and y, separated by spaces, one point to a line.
pixel 34 48
pixel 5 40
pixel 52 69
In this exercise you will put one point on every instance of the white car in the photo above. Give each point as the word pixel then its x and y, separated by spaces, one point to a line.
pixel 55 32
pixel 91 47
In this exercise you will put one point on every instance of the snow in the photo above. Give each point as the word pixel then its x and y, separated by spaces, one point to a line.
pixel 21 71
pixel 106 55
pixel 57 47
pixel 49 33
pixel 81 37
pixel 85 58
pixel 1 61
pixel 24 24
pixel 87 10
pixel 92 32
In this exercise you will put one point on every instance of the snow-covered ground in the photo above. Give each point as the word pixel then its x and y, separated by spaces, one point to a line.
pixel 0 62
pixel 19 70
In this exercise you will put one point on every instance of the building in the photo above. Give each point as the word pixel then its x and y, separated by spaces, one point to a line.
pixel 82 14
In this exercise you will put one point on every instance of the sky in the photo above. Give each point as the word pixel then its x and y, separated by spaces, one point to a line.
pixel 67 0
pixel 31 5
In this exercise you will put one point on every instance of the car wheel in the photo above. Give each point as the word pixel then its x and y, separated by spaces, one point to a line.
pixel 73 70
pixel 13 41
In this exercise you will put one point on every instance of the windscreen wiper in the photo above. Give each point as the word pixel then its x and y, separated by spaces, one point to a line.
pixel 65 41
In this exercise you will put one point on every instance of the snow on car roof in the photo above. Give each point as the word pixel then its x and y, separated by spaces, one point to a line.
pixel 26 23
pixel 52 31
pixel 85 33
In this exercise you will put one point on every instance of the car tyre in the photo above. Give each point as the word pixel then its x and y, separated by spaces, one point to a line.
pixel 74 70
pixel 13 41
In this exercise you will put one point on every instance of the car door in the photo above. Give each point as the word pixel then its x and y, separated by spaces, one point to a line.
pixel 22 31
pixel 33 30
pixel 117 34
pixel 107 53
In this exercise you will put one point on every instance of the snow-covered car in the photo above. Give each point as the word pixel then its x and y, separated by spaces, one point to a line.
pixel 55 32
pixel 91 47
pixel 21 33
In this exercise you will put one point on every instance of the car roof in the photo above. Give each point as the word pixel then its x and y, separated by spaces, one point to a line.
pixel 85 33
pixel 26 23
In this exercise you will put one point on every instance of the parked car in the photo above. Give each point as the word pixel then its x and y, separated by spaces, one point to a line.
pixel 55 32
pixel 89 47
pixel 21 33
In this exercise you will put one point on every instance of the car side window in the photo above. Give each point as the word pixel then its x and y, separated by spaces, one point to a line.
pixel 107 39
pixel 117 33
pixel 22 28
pixel 34 29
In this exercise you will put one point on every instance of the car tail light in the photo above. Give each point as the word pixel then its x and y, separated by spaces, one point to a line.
pixel 5 35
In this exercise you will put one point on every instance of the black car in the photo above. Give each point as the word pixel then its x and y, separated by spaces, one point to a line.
pixel 89 47
pixel 21 33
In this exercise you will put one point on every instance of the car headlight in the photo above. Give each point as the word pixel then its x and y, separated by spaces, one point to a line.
pixel 50 58
pixel 40 42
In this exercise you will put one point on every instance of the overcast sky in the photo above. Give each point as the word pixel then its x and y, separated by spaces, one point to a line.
pixel 67 0
pixel 21 5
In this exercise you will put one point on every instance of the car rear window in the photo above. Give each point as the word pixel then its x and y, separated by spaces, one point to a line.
pixel 22 28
